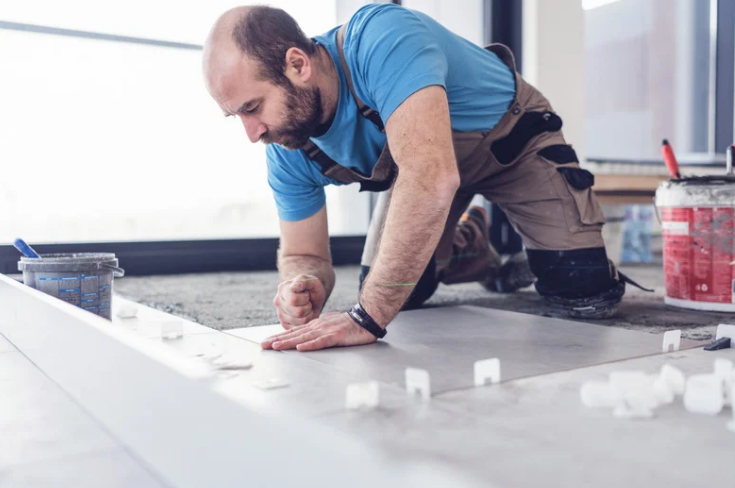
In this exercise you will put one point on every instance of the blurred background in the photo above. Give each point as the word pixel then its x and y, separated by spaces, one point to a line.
pixel 107 133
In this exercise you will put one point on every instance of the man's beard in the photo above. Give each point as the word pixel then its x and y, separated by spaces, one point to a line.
pixel 303 115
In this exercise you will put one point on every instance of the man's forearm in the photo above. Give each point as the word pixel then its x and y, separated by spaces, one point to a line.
pixel 416 219
pixel 290 267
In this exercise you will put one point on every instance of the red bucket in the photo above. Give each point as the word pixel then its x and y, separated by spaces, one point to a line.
pixel 698 224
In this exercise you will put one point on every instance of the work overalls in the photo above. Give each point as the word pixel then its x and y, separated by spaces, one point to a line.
pixel 524 165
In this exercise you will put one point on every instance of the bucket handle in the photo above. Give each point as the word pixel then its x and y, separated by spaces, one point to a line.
pixel 116 272
pixel 655 211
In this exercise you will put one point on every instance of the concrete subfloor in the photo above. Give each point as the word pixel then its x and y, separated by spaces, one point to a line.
pixel 233 300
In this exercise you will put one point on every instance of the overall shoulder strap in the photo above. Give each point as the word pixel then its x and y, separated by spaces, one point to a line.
pixel 312 151
pixel 364 110
pixel 315 154
pixel 504 53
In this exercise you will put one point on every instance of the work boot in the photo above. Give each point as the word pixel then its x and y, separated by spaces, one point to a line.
pixel 503 277
pixel 479 215
pixel 482 228
pixel 513 275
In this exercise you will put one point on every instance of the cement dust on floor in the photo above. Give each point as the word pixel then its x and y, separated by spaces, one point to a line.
pixel 244 299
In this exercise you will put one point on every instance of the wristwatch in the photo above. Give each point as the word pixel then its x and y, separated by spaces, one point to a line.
pixel 365 321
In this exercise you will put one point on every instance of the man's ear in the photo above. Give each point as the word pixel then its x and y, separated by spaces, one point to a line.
pixel 299 68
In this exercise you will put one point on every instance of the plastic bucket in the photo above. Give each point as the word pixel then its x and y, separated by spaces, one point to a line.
pixel 698 226
pixel 82 279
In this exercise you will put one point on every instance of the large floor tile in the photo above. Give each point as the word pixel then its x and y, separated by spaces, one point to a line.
pixel 312 388
pixel 106 469
pixel 535 432
pixel 447 342
pixel 5 345
pixel 38 421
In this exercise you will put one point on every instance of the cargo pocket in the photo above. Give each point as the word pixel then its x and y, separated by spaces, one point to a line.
pixel 507 149
pixel 583 212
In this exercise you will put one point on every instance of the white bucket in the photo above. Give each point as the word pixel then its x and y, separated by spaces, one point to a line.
pixel 698 225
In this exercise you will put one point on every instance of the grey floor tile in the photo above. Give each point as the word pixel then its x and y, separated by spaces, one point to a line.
pixel 37 420
pixel 535 432
pixel 447 341
pixel 5 345
pixel 108 469
pixel 256 334
pixel 313 388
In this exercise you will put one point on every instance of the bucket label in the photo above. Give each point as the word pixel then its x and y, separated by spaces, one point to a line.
pixel 90 292
pixel 698 250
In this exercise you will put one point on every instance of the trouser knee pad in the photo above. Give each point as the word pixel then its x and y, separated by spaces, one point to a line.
pixel 578 273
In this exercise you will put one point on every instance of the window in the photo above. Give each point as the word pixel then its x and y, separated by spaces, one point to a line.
pixel 118 140
pixel 655 70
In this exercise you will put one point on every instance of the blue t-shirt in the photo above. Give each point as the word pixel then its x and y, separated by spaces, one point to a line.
pixel 392 52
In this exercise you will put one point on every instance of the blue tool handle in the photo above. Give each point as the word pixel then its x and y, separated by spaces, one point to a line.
pixel 25 249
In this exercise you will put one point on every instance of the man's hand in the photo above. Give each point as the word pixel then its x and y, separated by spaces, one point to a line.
pixel 299 301
pixel 334 329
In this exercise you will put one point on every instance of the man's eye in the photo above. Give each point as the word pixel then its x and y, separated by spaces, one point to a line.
pixel 253 110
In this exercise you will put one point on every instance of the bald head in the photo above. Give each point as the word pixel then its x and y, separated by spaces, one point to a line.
pixel 263 34
pixel 258 67
pixel 221 54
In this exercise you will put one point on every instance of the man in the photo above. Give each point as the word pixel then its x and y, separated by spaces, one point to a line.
pixel 399 104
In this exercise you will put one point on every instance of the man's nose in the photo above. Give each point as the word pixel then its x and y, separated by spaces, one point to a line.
pixel 253 127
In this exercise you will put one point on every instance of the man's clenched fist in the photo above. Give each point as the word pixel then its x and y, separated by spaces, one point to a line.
pixel 299 301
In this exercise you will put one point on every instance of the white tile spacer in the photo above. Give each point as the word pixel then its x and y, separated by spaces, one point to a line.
pixel 232 362
pixel 672 338
pixel 487 369
pixel 362 395
pixel 726 330
pixel 725 371
pixel 704 394
pixel 418 381
pixel 635 405
pixel 723 368
pixel 127 311
pixel 662 391
pixel 624 411
pixel 172 329
pixel 674 377
pixel 269 383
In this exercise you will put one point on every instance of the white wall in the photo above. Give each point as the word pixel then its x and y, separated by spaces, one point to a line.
pixel 647 78
pixel 554 61
pixel 463 17
pixel 105 140
pixel 170 20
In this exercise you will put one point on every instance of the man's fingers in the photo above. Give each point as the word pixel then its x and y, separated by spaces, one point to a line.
pixel 297 287
pixel 305 283
pixel 283 335
pixel 323 342
pixel 297 312
pixel 289 322
pixel 292 342
pixel 295 299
